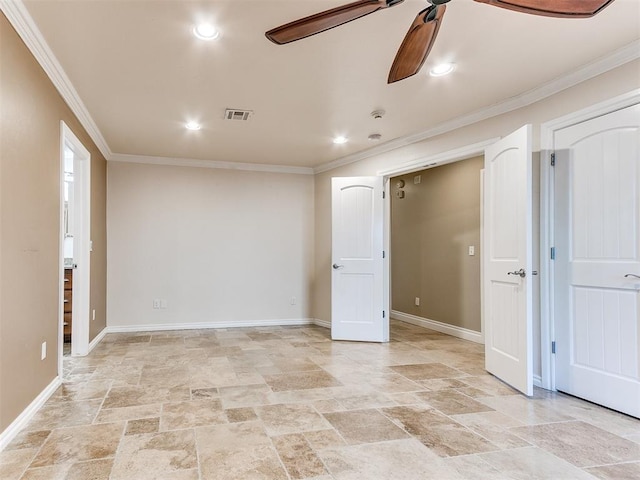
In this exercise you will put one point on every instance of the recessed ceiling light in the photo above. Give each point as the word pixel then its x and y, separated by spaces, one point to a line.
pixel 206 31
pixel 442 69
pixel 374 137
pixel 192 126
pixel 339 140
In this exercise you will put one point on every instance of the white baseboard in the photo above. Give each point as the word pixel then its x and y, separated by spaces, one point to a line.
pixel 27 414
pixel 452 330
pixel 537 381
pixel 205 325
pixel 97 339
pixel 322 323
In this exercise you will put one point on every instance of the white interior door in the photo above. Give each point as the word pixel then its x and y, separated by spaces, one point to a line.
pixel 597 264
pixel 358 310
pixel 508 260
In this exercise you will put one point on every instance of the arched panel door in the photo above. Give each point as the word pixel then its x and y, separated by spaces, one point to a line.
pixel 357 270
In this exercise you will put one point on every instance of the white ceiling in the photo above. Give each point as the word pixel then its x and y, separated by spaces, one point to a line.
pixel 141 74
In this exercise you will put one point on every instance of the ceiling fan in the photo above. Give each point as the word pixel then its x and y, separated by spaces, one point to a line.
pixel 423 31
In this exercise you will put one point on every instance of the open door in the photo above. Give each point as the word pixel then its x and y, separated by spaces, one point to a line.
pixel 358 305
pixel 508 240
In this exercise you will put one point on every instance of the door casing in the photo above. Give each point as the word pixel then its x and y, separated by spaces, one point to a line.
pixel 421 163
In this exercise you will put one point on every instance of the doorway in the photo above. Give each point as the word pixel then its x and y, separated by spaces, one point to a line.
pixel 435 248
pixel 67 245
pixel 410 170
pixel 75 245
pixel 507 292
pixel 367 195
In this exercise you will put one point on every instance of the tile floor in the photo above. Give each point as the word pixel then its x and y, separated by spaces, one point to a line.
pixel 288 403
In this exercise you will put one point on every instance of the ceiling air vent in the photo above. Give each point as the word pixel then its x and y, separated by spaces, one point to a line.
pixel 234 114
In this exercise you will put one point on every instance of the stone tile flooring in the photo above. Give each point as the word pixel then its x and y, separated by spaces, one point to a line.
pixel 288 403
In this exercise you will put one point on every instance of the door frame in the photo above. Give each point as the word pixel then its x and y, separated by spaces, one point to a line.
pixel 82 235
pixel 547 233
pixel 422 163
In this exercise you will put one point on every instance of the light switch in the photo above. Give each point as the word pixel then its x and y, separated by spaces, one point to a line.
pixel 472 250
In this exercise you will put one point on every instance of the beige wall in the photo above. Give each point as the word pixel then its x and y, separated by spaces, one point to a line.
pixel 217 245
pixel 30 113
pixel 616 82
pixel 431 230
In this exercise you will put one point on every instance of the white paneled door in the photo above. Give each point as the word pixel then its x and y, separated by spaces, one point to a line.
pixel 357 283
pixel 597 260
pixel 508 260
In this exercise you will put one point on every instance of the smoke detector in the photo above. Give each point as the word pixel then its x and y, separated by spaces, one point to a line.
pixel 235 114
pixel 378 114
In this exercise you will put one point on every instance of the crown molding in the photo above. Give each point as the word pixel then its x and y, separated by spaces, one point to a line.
pixel 602 65
pixel 21 20
pixel 191 162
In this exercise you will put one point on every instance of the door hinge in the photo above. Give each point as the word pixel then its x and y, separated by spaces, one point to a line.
pixel 553 159
pixel 553 253
pixel 553 347
pixel 384 194
pixel 383 314
pixel 383 254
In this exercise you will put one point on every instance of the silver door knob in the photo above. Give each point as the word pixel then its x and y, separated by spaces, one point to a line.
pixel 631 275
pixel 336 266
pixel 520 273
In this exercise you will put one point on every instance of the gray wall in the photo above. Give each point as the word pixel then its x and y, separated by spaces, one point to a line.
pixel 432 228
pixel 30 113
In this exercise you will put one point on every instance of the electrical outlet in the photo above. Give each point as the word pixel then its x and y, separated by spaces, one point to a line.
pixel 293 301
pixel 417 179
pixel 93 314
pixel 43 351
pixel 163 303
pixel 156 303
pixel 472 250
pixel 417 301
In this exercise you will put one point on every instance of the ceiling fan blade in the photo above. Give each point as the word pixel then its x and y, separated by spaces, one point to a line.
pixel 417 43
pixel 553 8
pixel 322 21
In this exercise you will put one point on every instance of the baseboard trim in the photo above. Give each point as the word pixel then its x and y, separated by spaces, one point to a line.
pixel 98 338
pixel 322 323
pixel 452 330
pixel 210 325
pixel 27 414
pixel 537 381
